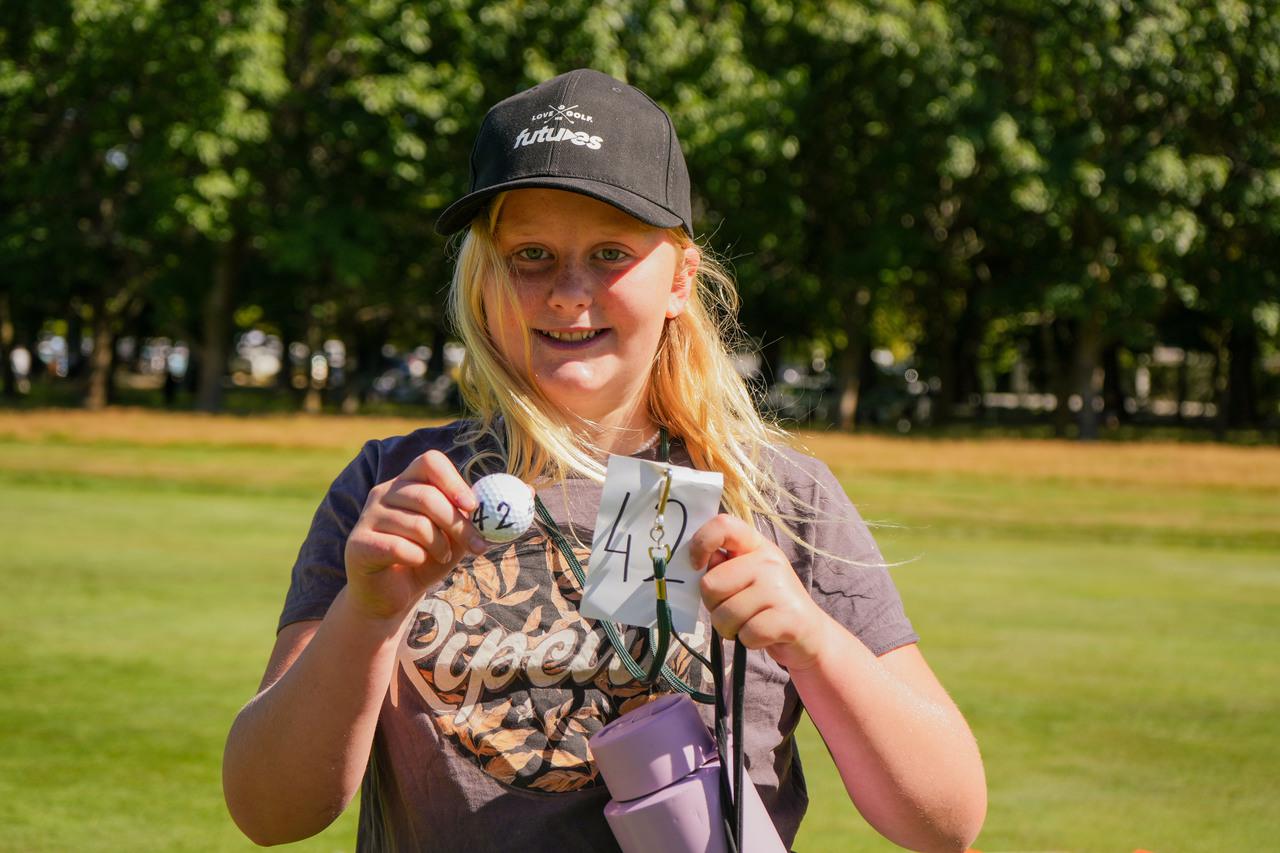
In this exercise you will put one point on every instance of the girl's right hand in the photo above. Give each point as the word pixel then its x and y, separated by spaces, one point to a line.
pixel 412 531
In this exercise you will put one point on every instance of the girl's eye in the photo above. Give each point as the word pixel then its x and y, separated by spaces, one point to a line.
pixel 532 253
pixel 612 255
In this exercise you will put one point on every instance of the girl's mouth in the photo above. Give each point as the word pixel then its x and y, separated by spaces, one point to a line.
pixel 575 336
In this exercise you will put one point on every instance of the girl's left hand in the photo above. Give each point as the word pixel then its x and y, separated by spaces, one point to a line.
pixel 752 593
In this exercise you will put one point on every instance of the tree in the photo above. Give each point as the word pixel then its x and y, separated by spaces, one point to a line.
pixel 97 89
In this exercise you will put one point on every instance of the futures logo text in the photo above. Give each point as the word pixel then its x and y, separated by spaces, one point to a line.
pixel 546 133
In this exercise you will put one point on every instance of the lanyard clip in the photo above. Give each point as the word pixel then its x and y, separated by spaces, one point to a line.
pixel 657 532
pixel 666 493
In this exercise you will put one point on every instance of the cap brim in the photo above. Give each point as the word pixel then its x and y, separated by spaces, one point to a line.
pixel 459 214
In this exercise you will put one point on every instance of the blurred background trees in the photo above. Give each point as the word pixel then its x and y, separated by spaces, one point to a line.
pixel 985 210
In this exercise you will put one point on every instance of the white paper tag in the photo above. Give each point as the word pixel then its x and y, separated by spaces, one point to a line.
pixel 620 586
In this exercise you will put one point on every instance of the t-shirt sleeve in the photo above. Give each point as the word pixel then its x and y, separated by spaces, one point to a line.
pixel 319 573
pixel 845 572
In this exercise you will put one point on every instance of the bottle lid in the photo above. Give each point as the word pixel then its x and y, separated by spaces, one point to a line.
pixel 649 748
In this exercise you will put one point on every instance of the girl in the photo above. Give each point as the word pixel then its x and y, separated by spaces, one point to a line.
pixel 453 681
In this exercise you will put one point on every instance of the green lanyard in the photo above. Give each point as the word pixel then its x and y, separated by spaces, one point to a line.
pixel 660 637
pixel 660 640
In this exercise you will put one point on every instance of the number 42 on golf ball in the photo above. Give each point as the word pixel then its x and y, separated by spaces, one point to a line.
pixel 504 507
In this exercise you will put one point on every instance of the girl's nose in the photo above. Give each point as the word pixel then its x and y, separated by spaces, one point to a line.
pixel 571 287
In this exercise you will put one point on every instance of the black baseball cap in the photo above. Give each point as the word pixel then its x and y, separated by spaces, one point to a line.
pixel 584 132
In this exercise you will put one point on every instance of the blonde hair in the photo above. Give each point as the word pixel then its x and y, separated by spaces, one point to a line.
pixel 694 389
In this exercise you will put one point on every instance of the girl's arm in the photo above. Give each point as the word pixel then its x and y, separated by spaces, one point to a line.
pixel 905 753
pixel 297 752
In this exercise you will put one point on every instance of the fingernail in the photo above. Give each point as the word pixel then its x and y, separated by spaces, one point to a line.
pixel 478 543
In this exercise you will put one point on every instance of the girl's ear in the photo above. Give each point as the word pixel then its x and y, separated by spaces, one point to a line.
pixel 682 283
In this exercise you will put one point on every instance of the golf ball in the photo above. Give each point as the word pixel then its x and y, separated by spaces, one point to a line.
pixel 504 507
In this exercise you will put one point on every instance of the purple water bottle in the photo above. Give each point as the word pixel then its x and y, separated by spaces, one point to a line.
pixel 660 765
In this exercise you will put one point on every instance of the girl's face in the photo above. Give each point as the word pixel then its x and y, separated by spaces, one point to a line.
pixel 595 287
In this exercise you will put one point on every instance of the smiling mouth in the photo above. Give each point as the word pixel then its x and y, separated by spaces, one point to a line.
pixel 571 337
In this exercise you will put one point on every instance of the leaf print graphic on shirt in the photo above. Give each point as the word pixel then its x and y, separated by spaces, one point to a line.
pixel 513 676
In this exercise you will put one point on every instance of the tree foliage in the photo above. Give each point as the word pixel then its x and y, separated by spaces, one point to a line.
pixel 964 184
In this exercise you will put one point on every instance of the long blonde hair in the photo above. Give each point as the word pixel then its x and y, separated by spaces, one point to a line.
pixel 694 389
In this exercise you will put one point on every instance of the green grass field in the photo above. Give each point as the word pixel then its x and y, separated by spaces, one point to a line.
pixel 1107 617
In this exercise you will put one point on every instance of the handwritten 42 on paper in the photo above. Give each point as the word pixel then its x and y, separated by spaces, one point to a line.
pixel 620 573
pixel 625 550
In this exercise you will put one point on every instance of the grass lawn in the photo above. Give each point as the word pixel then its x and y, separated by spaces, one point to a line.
pixel 1107 616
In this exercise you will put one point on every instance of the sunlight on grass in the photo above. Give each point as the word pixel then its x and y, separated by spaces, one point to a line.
pixel 1105 617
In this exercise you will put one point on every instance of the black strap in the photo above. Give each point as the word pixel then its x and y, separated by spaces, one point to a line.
pixel 739 743
pixel 731 767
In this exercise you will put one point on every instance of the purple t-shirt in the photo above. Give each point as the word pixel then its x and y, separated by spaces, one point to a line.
pixel 482 739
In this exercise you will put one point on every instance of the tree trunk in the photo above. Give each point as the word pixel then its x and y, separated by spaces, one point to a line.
pixel 113 366
pixel 216 327
pixel 851 358
pixel 169 391
pixel 967 387
pixel 313 402
pixel 75 341
pixel 191 379
pixel 868 381
pixel 1113 390
pixel 1088 374
pixel 960 378
pixel 1181 389
pixel 1057 336
pixel 1221 391
pixel 439 337
pixel 288 325
pixel 943 411
pixel 98 392
pixel 364 356
pixel 8 379
pixel 1242 389
pixel 941 338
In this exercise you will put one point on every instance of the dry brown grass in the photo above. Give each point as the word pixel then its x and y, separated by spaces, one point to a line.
pixel 1156 463
pixel 146 427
